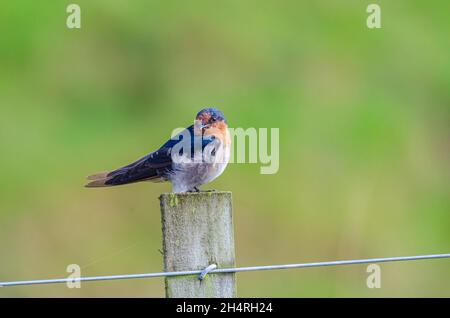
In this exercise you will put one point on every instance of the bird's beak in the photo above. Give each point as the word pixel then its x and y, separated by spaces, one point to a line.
pixel 199 125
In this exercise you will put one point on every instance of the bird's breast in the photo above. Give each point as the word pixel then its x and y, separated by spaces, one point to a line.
pixel 191 173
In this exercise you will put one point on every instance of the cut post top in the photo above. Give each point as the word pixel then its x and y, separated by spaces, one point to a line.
pixel 198 194
pixel 173 199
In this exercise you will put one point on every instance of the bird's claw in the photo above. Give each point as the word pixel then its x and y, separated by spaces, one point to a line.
pixel 196 189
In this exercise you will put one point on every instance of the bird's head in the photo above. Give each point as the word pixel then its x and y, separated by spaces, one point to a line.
pixel 209 120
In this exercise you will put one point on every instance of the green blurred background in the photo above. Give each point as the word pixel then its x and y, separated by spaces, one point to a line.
pixel 364 127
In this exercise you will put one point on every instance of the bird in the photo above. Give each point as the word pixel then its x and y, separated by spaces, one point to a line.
pixel 195 156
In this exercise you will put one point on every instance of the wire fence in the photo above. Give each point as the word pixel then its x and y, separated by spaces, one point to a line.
pixel 212 269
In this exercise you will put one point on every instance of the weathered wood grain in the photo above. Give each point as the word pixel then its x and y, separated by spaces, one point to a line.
pixel 198 231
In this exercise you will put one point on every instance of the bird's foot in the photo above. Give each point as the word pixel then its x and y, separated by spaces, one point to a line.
pixel 210 190
pixel 197 189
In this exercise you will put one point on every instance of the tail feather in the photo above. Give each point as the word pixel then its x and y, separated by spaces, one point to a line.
pixel 108 179
pixel 98 180
pixel 97 176
pixel 149 168
pixel 97 184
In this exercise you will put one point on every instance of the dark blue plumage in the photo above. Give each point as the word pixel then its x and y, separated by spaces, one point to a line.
pixel 157 164
pixel 209 131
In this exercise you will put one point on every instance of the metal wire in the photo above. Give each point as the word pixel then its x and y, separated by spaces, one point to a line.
pixel 206 271
pixel 225 270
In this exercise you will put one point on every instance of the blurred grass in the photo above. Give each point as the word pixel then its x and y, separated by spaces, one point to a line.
pixel 363 117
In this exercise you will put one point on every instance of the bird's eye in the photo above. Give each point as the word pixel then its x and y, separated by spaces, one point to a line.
pixel 213 119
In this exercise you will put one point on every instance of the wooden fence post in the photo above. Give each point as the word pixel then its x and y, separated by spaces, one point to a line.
pixel 197 232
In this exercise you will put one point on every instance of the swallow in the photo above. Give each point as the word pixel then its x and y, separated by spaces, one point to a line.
pixel 195 156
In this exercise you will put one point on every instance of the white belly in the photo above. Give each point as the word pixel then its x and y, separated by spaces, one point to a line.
pixel 189 174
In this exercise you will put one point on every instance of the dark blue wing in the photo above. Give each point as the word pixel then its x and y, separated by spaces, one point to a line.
pixel 156 165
